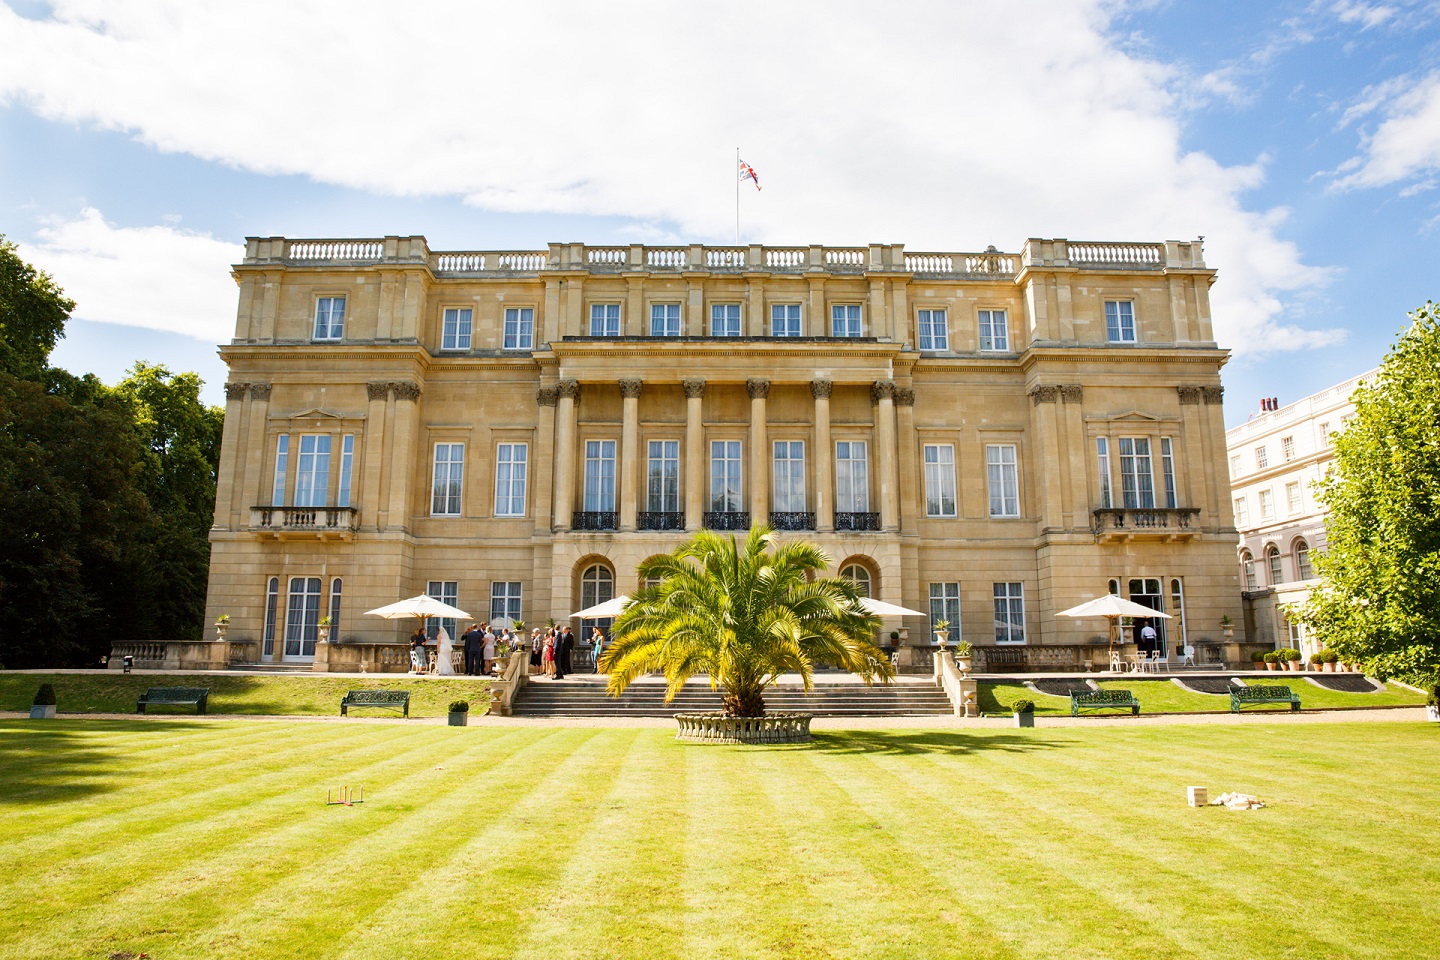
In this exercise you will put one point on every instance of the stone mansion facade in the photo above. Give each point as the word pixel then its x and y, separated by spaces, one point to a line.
pixel 992 437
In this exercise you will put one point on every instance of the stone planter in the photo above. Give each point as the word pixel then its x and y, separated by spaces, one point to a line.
pixel 324 633
pixel 1328 667
pixel 1272 666
pixel 42 711
pixel 459 718
pixel 220 629
pixel 1431 713
pixel 963 664
pixel 1024 719
pixel 717 728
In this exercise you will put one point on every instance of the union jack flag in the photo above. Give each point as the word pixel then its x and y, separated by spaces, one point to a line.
pixel 747 172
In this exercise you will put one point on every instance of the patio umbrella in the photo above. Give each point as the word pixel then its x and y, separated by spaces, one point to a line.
pixel 882 609
pixel 422 606
pixel 602 611
pixel 1112 608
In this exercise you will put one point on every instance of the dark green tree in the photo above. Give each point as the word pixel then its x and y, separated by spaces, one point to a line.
pixel 33 311
pixel 1380 604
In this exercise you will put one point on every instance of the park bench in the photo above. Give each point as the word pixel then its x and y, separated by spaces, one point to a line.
pixel 383 699
pixel 1103 700
pixel 174 696
pixel 1253 696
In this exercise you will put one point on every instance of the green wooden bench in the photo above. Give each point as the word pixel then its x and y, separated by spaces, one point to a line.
pixel 1261 695
pixel 174 696
pixel 383 699
pixel 1103 700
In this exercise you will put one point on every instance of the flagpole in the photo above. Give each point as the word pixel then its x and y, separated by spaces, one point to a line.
pixel 737 196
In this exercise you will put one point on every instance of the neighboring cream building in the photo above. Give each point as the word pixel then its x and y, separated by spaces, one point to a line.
pixel 1276 457
pixel 990 436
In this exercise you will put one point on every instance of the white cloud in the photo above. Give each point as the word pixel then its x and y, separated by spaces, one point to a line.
pixel 160 278
pixel 1406 143
pixel 939 124
pixel 1366 14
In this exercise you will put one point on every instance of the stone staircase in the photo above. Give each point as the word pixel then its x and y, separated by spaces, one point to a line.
pixel 276 667
pixel 584 696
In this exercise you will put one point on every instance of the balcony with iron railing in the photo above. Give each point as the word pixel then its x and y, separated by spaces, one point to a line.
pixel 856 522
pixel 660 520
pixel 1154 523
pixel 726 520
pixel 595 520
pixel 792 520
pixel 304 523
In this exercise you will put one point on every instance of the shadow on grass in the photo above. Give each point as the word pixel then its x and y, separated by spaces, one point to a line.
pixel 48 761
pixel 916 742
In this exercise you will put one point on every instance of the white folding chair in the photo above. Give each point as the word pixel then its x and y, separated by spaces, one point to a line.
pixel 1117 665
pixel 1187 657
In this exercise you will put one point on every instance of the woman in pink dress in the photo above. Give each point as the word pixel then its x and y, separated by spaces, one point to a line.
pixel 550 653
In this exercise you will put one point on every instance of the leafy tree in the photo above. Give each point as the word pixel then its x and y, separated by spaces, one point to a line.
pixel 743 615
pixel 33 311
pixel 1380 605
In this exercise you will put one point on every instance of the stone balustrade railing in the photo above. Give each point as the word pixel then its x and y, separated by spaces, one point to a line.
pixel 890 258
pixel 714 728
pixel 322 522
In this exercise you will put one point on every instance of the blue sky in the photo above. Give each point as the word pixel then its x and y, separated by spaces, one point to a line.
pixel 141 142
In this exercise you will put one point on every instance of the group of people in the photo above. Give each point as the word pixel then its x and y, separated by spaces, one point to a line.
pixel 553 652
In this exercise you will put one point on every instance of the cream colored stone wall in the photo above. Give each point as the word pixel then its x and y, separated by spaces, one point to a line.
pixel 387 383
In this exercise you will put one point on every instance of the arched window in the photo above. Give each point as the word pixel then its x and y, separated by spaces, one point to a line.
pixel 1303 570
pixel 335 609
pixel 1247 565
pixel 860 575
pixel 1272 560
pixel 597 585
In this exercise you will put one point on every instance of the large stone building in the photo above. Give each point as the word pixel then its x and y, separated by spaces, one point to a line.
pixel 992 437
pixel 1276 457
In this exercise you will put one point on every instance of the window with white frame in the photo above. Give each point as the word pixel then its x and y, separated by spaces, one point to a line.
pixel 945 605
pixel 858 575
pixel 845 320
pixel 1242 512
pixel 1247 567
pixel 1303 570
pixel 1137 477
pixel 335 589
pixel 1009 612
pixel 599 476
pixel 1292 497
pixel 505 601
pixel 447 479
pixel 329 318
pixel 1267 505
pixel 519 332
pixel 312 470
pixel 662 477
pixel 789 464
pixel 455 328
pixel 939 480
pixel 597 586
pixel 282 467
pixel 933 330
pixel 1002 474
pixel 725 490
pixel 272 606
pixel 1120 321
pixel 1167 472
pixel 302 618
pixel 852 477
pixel 994 330
pixel 604 319
pixel 512 468
pixel 446 591
pixel 1324 431
pixel 785 319
pixel 1262 459
pixel 664 319
pixel 724 319
pixel 1102 462
pixel 1235 466
pixel 1287 449
pixel 347 467
pixel 1272 560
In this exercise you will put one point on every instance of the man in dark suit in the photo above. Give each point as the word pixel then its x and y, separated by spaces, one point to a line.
pixel 569 648
pixel 472 651
pixel 562 653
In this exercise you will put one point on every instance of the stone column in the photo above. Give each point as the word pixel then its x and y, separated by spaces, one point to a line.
pixel 232 458
pixel 629 453
pixel 759 453
pixel 694 454
pixel 569 393
pixel 909 469
pixel 824 457
pixel 257 446
pixel 403 454
pixel 882 392
pixel 1217 489
pixel 1044 400
pixel 543 462
pixel 372 454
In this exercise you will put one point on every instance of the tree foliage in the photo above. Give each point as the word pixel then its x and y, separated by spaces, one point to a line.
pixel 1380 605
pixel 743 615
pixel 106 494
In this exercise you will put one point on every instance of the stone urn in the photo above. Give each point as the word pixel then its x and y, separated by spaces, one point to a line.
pixel 220 629
pixel 1432 713
pixel 324 631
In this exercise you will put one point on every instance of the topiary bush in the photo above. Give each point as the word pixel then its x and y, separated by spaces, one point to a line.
pixel 1022 705
pixel 460 706
pixel 1256 656
pixel 1331 656
pixel 1272 656
pixel 1292 655
pixel 45 696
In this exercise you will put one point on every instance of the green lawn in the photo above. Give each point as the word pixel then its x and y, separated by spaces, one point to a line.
pixel 300 695
pixel 1163 696
pixel 179 838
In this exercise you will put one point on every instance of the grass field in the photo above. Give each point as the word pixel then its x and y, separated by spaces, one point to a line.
pixel 1163 696
pixel 317 695
pixel 179 838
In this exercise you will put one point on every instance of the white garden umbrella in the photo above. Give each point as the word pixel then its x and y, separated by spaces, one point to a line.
pixel 422 606
pixel 882 609
pixel 1112 608
pixel 602 611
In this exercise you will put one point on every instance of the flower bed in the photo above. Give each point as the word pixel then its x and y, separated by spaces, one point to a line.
pixel 717 728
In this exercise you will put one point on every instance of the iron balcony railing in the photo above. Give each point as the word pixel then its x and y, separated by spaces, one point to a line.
pixel 857 521
pixel 726 520
pixel 661 520
pixel 792 520
pixel 595 520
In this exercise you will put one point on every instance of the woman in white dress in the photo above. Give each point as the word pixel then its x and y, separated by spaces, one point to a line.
pixel 444 661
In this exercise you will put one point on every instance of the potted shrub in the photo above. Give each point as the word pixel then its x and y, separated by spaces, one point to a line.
pixel 43 706
pixel 942 632
pixel 1432 705
pixel 1271 660
pixel 1024 710
pixel 964 656
pixel 1316 659
pixel 1257 657
pixel 1227 626
pixel 1292 660
pixel 459 713
pixel 894 638
pixel 222 622
pixel 1331 658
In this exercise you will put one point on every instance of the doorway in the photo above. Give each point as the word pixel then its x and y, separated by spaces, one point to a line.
pixel 1148 593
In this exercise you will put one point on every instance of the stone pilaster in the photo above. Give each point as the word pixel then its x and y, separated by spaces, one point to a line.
pixel 824 456
pixel 882 394
pixel 759 391
pixel 694 453
pixel 629 452
pixel 565 427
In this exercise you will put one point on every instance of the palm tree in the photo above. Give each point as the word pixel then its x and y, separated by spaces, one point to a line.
pixel 742 615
